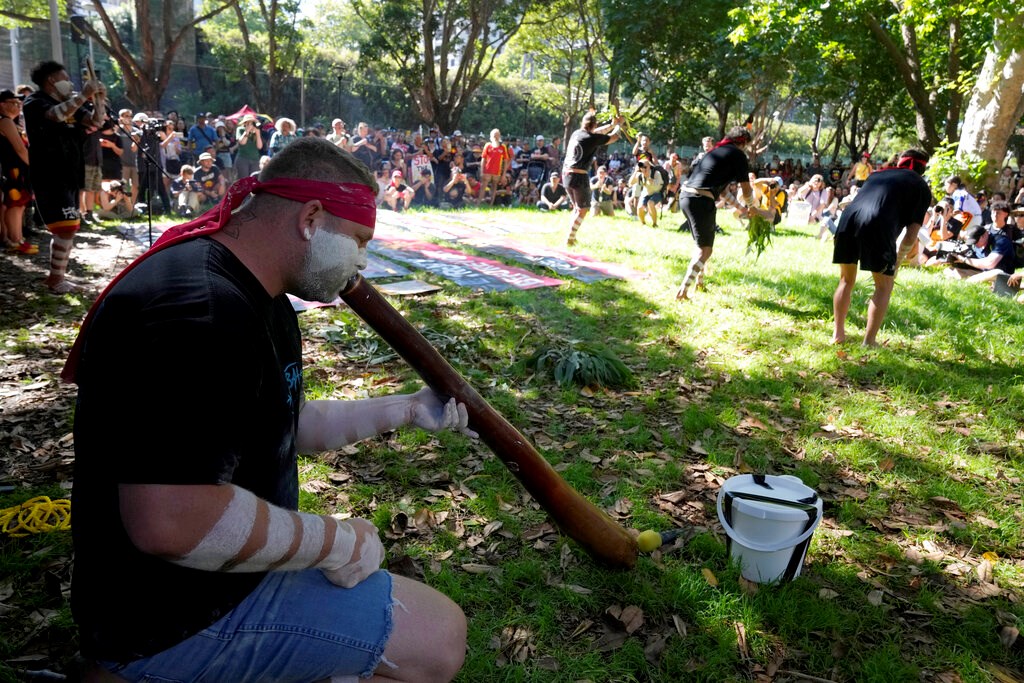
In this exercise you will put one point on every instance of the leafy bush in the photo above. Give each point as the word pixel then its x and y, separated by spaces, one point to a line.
pixel 583 364
pixel 945 162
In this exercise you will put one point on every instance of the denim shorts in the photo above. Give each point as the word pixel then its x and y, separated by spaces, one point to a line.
pixel 296 626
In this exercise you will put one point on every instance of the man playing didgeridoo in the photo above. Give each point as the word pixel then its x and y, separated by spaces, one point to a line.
pixel 891 201
pixel 725 163
pixel 191 561
pixel 579 156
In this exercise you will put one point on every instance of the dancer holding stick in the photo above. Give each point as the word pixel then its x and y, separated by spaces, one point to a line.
pixel 579 156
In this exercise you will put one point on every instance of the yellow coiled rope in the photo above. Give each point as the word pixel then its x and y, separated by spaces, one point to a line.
pixel 36 516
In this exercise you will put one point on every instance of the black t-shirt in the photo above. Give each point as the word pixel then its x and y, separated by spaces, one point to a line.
pixel 54 147
pixel 207 177
pixel 579 153
pixel 214 399
pixel 111 166
pixel 889 201
pixel 719 167
pixel 366 153
pixel 552 193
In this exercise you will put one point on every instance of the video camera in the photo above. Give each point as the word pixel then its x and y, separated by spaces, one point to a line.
pixel 948 250
pixel 154 125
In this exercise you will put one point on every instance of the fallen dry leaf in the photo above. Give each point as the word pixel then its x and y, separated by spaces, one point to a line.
pixel 710 577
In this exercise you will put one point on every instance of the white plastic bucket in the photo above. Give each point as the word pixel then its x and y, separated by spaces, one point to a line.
pixel 768 521
pixel 798 213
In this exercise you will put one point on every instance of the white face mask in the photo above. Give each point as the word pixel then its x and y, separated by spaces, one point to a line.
pixel 331 261
pixel 64 88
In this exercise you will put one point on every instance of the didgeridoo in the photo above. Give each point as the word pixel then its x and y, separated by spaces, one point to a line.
pixel 604 539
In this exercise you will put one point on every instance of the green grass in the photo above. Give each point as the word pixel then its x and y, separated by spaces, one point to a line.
pixel 915 446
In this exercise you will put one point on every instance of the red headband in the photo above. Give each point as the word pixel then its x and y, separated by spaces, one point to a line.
pixel 911 163
pixel 734 141
pixel 351 201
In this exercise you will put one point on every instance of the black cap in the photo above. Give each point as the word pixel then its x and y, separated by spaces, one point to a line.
pixel 974 234
pixel 8 95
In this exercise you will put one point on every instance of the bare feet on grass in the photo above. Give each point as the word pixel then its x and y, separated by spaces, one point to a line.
pixel 682 295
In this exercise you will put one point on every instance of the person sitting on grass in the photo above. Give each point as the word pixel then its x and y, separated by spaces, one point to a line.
pixel 186 192
pixel 553 196
pixel 425 191
pixel 995 252
pixel 115 203
pixel 456 189
pixel 397 195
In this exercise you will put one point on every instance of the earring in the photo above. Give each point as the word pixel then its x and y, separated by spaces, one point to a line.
pixel 307 235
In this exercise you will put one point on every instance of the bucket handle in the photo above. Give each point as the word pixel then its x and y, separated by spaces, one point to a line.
pixel 812 519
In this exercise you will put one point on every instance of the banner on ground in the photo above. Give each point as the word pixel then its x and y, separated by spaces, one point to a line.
pixel 461 268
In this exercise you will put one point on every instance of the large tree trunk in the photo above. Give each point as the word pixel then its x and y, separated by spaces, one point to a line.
pixel 997 102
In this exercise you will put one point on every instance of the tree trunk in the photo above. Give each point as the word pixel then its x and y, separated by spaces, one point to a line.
pixel 997 102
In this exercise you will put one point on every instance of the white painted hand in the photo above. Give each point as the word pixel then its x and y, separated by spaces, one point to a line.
pixel 431 413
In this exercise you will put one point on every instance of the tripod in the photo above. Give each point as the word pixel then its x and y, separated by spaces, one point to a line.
pixel 151 172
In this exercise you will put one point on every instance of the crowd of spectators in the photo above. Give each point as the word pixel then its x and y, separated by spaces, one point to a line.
pixel 161 160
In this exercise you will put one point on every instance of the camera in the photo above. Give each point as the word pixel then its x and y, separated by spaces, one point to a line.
pixel 154 125
pixel 949 251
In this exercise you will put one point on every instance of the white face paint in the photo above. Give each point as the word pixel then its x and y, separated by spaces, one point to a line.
pixel 64 88
pixel 331 261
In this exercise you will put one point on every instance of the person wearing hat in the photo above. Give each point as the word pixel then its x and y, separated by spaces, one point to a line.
pixel 994 250
pixel 553 196
pixel 210 180
pixel 397 195
pixel 15 183
pixel 878 230
pixel 250 146
pixel 56 121
pixel 338 135
pixel 540 152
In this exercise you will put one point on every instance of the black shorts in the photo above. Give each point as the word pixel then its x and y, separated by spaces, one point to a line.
pixel 577 185
pixel 874 255
pixel 58 207
pixel 701 213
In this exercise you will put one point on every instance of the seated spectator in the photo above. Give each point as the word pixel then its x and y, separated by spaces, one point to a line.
pixel 210 180
pixel 383 176
pixel 398 162
pixel 525 192
pixel 397 195
pixel 603 189
pixel 503 191
pixel 187 192
pixel 455 190
pixel 425 191
pixel 553 196
pixel 818 196
pixel 619 196
pixel 115 203
pixel 965 210
pixel 994 250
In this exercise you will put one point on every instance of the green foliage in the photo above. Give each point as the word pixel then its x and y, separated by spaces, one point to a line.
pixel 759 234
pixel 945 162
pixel 582 363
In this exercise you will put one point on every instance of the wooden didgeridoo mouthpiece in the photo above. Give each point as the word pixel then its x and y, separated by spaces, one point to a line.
pixel 588 525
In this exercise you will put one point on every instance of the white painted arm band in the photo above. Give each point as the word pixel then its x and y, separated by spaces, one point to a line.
pixel 290 540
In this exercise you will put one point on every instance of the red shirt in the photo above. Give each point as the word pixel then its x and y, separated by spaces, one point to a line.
pixel 494 157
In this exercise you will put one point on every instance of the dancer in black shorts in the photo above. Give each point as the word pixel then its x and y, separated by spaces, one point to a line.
pixel 579 155
pixel 892 201
pixel 725 163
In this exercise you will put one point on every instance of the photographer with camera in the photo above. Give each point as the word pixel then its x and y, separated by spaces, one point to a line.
pixel 994 250
pixel 115 203
pixel 151 171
